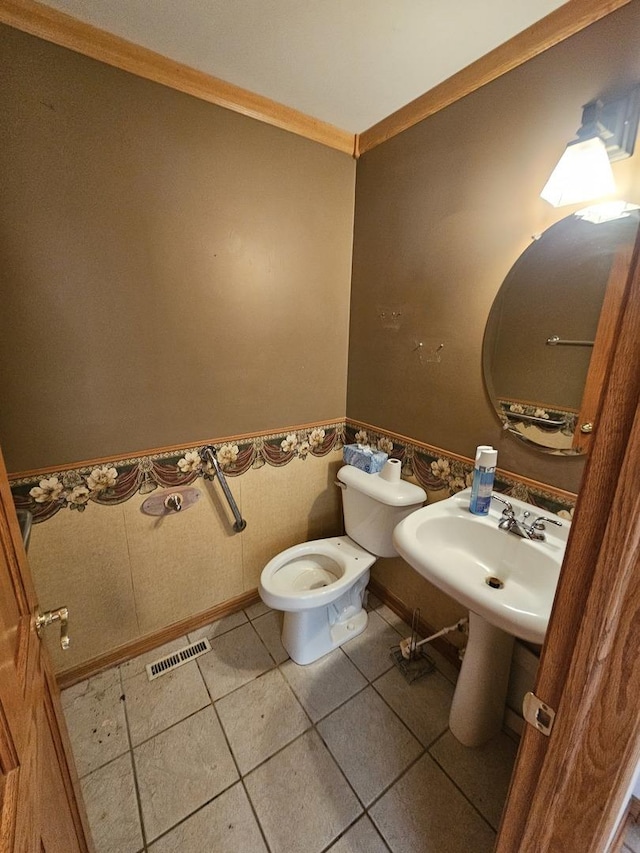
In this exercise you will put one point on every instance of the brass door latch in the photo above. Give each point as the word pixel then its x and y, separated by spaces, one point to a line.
pixel 61 615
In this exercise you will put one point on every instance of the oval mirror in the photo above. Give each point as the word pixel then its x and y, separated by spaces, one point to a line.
pixel 544 342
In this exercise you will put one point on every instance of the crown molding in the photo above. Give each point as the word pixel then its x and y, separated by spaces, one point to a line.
pixel 64 30
pixel 61 29
pixel 559 25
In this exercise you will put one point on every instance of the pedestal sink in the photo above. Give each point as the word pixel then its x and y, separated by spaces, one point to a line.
pixel 507 583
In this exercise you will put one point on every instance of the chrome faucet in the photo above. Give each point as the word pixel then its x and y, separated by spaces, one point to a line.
pixel 511 524
pixel 537 528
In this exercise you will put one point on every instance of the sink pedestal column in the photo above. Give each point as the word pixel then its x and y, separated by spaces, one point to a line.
pixel 477 710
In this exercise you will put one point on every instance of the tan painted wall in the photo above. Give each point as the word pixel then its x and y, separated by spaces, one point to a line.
pixel 170 271
pixel 442 212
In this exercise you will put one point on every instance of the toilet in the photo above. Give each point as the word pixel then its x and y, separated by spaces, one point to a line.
pixel 320 585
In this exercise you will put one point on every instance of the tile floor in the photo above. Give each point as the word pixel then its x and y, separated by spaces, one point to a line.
pixel 632 839
pixel 244 750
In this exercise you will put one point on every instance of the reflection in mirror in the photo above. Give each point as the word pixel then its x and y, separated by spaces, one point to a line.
pixel 545 340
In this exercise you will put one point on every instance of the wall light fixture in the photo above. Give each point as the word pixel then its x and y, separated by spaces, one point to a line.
pixel 608 133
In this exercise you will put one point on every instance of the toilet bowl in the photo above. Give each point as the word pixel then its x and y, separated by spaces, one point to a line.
pixel 320 585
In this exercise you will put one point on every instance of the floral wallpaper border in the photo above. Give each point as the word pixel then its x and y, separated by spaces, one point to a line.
pixel 510 411
pixel 113 483
pixel 438 472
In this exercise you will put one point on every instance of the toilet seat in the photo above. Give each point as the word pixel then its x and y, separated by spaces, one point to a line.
pixel 313 574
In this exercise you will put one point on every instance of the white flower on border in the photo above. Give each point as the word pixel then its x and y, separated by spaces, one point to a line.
pixel 361 437
pixel 78 495
pixel 468 479
pixel 49 489
pixel 516 408
pixel 303 449
pixel 190 462
pixel 385 444
pixel 102 478
pixel 457 484
pixel 289 443
pixel 541 413
pixel 316 437
pixel 227 454
pixel 441 469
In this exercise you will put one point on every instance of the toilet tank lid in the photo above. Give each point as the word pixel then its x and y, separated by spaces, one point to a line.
pixel 400 493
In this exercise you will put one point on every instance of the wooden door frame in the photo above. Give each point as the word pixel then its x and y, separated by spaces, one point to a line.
pixel 567 790
pixel 37 668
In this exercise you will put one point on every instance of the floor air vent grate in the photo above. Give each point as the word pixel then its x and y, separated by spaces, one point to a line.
pixel 176 659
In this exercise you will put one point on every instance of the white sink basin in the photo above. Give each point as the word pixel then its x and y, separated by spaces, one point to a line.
pixel 459 552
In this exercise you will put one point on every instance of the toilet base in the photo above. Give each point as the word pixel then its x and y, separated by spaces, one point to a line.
pixel 308 635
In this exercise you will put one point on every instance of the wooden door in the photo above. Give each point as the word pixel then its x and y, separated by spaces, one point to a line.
pixel 39 810
pixel 567 790
pixel 603 346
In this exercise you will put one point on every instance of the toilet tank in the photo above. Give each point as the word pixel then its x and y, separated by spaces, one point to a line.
pixel 373 505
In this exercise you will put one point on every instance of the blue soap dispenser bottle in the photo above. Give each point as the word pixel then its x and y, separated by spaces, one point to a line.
pixel 484 472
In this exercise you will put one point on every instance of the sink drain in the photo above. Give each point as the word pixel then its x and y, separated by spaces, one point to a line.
pixel 494 583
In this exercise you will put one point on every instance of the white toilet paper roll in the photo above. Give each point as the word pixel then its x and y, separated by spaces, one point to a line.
pixel 391 470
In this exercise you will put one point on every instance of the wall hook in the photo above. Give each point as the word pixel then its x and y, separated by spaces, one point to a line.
pixel 170 502
pixel 428 351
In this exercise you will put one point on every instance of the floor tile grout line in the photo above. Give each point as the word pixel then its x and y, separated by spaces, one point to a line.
pixel 342 772
pixel 388 787
pixel 255 815
pixel 184 819
pixel 467 798
pixel 228 787
pixel 328 714
pixel 102 766
pixel 235 761
pixel 132 748
pixel 342 834
pixel 321 739
pixel 171 726
pixel 326 745
pixel 436 739
pixel 256 632
pixel 397 714
pixel 310 721
pixel 420 744
pixel 136 785
pixel 240 686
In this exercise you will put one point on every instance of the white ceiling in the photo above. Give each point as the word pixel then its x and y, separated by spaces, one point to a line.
pixel 347 62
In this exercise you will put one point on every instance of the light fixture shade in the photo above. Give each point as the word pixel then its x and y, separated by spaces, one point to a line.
pixel 583 173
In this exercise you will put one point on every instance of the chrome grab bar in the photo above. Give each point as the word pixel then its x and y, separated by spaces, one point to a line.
pixel 208 453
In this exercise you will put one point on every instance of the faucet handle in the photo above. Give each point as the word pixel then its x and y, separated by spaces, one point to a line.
pixel 507 512
pixel 538 524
